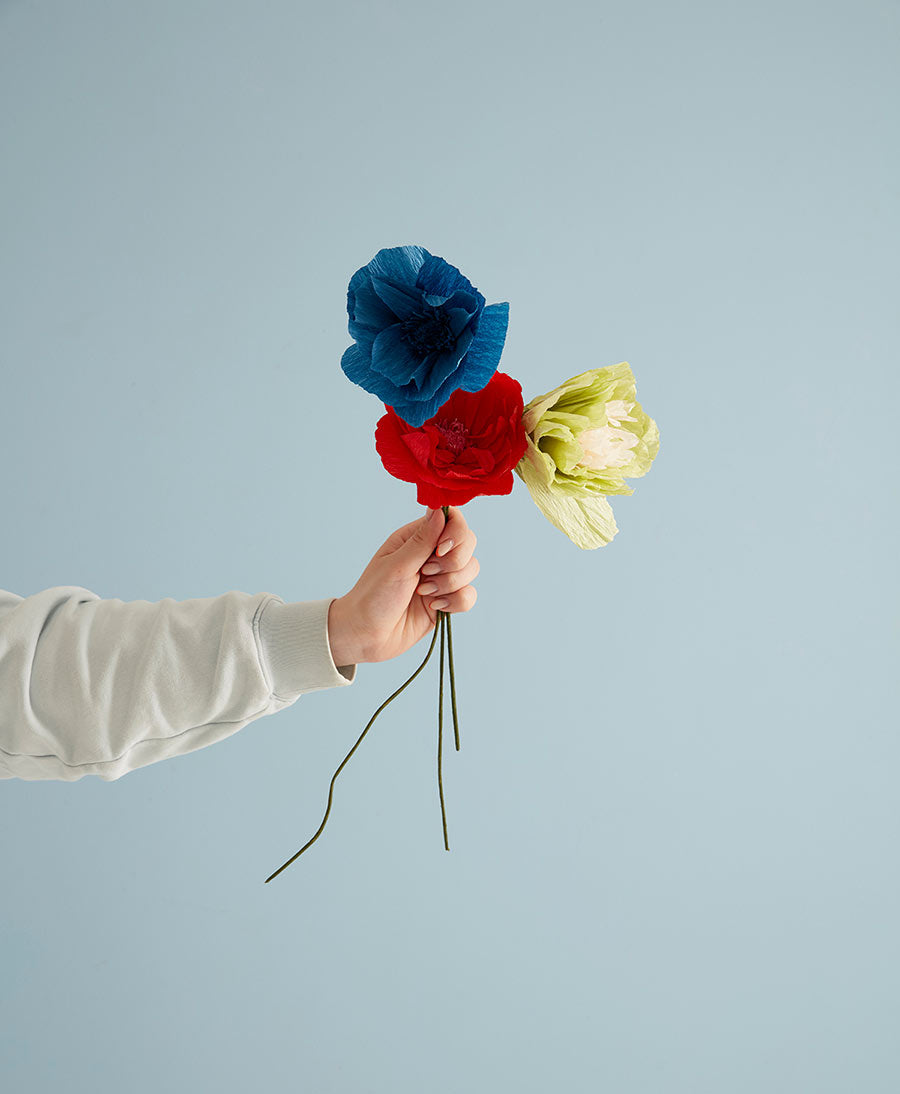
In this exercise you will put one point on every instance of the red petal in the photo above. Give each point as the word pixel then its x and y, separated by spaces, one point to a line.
pixel 420 445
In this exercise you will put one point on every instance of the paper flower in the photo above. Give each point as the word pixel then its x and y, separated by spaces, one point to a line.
pixel 585 438
pixel 427 346
pixel 421 331
pixel 468 448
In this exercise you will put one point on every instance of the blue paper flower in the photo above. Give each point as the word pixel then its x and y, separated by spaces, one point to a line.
pixel 421 331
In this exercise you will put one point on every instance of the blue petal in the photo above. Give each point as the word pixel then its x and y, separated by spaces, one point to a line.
pixel 481 361
pixel 473 303
pixel 447 366
pixel 365 336
pixel 392 356
pixel 439 278
pixel 402 300
pixel 420 376
pixel 356 365
pixel 398 266
pixel 368 313
pixel 416 414
pixel 459 320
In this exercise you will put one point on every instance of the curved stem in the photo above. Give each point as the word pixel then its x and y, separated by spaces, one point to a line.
pixel 350 753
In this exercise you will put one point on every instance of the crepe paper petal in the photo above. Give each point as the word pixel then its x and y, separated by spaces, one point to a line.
pixel 484 353
pixel 437 368
pixel 416 414
pixel 422 331
pixel 367 311
pixel 466 450
pixel 398 266
pixel 469 304
pixel 585 437
pixel 355 364
pixel 434 496
pixel 392 356
pixel 586 519
pixel 593 432
pixel 401 301
pixel 438 278
pixel 541 468
pixel 420 447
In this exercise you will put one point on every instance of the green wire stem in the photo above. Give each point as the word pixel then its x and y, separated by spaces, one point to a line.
pixel 389 699
pixel 452 683
pixel 443 619
pixel 446 509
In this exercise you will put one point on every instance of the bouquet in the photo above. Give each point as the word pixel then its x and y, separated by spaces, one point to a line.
pixel 427 344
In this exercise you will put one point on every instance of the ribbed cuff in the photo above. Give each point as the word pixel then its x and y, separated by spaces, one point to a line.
pixel 295 644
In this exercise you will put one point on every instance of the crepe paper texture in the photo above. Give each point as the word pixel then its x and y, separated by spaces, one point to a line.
pixel 585 438
pixel 455 427
pixel 467 450
pixel 421 331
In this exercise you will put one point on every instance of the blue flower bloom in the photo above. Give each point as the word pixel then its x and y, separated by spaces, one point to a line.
pixel 421 331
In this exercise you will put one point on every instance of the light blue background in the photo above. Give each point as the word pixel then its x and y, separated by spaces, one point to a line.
pixel 674 818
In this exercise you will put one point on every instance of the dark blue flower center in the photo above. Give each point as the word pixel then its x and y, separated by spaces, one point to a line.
pixel 429 332
pixel 454 433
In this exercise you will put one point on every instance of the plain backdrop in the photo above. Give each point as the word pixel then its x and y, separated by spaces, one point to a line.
pixel 674 817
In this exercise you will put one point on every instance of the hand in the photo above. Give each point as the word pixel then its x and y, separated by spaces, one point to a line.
pixel 387 611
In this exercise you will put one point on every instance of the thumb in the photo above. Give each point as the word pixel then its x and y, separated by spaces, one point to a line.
pixel 422 542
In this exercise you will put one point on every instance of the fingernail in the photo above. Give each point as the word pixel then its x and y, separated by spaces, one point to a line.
pixel 431 568
pixel 438 604
pixel 443 548
pixel 428 587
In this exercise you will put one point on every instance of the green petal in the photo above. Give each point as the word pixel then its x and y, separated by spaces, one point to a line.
pixel 564 453
pixel 587 519
pixel 540 467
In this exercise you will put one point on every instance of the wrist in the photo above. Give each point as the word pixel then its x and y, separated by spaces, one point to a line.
pixel 345 648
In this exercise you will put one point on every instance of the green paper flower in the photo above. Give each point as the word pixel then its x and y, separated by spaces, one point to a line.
pixel 585 438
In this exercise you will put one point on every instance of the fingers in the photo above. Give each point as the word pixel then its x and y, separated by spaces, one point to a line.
pixel 461 601
pixel 446 578
pixel 440 585
pixel 398 538
pixel 460 553
pixel 455 529
pixel 409 531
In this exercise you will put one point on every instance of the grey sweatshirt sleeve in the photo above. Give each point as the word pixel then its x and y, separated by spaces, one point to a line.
pixel 102 687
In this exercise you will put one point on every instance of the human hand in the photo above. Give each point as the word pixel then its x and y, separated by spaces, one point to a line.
pixel 388 610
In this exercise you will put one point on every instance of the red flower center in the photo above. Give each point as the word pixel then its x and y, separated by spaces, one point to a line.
pixel 454 433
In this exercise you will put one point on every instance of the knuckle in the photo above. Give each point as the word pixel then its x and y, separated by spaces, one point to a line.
pixel 452 561
pixel 455 581
pixel 460 580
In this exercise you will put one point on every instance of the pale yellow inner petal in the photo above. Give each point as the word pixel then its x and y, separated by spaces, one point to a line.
pixel 617 410
pixel 607 447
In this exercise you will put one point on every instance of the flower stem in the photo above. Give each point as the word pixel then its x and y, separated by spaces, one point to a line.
pixel 443 620
pixel 310 842
pixel 452 683
pixel 446 509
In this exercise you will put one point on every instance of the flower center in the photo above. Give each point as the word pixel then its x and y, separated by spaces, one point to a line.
pixel 427 333
pixel 454 433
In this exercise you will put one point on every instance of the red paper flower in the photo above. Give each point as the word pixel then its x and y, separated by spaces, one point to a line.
pixel 468 448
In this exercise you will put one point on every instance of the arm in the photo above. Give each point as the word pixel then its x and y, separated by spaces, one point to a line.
pixel 102 687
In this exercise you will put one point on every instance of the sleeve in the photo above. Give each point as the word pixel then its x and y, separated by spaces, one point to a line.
pixel 102 687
